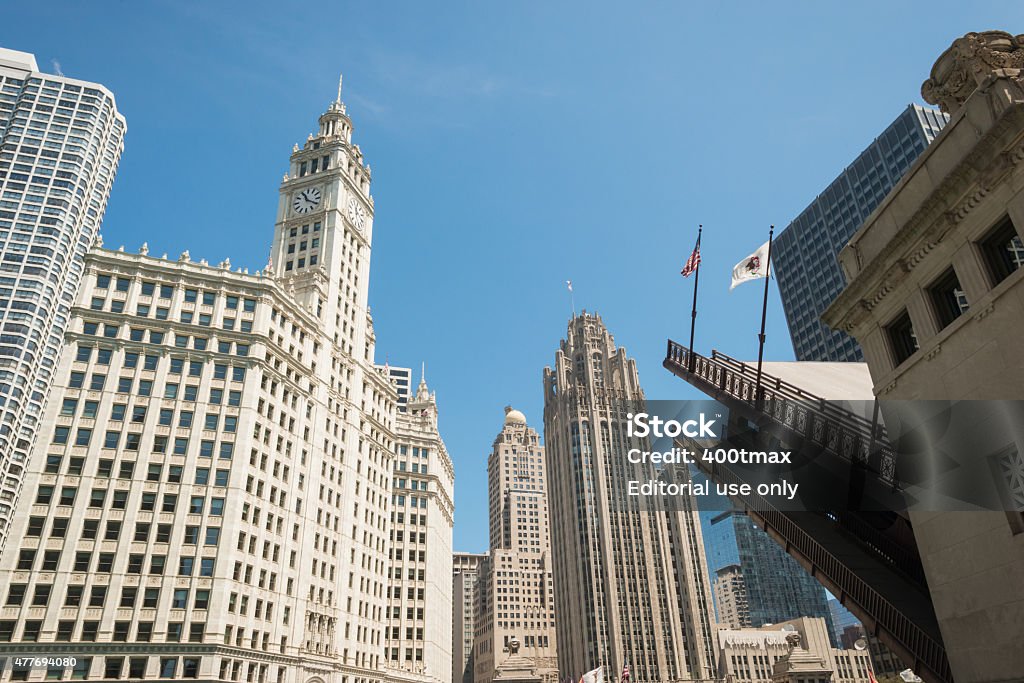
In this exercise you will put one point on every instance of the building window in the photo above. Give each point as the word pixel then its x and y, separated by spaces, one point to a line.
pixel 1003 251
pixel 902 339
pixel 948 298
pixel 168 667
pixel 81 669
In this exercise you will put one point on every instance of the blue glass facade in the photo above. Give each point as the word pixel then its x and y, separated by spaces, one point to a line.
pixel 778 588
pixel 805 253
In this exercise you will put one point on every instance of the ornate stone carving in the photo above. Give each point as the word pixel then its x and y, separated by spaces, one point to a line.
pixel 968 63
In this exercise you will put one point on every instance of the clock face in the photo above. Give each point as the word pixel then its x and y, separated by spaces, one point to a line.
pixel 356 213
pixel 306 200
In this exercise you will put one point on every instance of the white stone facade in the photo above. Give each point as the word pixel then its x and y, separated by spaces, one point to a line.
pixel 210 497
pixel 419 631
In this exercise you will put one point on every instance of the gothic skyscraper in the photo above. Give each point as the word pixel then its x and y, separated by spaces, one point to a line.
pixel 631 582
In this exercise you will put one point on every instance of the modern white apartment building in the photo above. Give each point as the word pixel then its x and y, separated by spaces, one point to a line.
pixel 631 582
pixel 515 598
pixel 419 630
pixel 210 495
pixel 60 143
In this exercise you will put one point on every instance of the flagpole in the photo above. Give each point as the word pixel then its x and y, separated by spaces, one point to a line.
pixel 764 313
pixel 693 313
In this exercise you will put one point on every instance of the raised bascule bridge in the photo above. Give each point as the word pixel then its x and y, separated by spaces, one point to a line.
pixel 851 533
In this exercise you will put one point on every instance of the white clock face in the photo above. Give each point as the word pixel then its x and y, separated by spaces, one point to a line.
pixel 306 200
pixel 356 213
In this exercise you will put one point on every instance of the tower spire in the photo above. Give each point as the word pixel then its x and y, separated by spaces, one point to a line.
pixel 339 89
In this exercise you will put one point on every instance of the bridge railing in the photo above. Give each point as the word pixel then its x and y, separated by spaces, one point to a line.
pixel 929 653
pixel 825 423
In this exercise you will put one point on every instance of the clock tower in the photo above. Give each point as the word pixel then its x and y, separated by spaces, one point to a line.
pixel 320 257
pixel 322 236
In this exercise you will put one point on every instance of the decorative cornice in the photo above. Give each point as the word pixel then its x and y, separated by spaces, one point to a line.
pixel 930 223
pixel 968 63
pixel 981 313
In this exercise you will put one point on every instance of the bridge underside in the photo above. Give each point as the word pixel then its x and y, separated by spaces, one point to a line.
pixel 868 560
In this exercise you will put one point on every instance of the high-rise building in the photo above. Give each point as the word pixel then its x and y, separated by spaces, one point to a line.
pixel 934 280
pixel 60 143
pixel 419 631
pixel 842 619
pixel 631 581
pixel 515 595
pixel 731 601
pixel 777 588
pixel 805 253
pixel 465 575
pixel 209 496
pixel 402 378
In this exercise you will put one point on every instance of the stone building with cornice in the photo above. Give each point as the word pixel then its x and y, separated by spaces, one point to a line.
pixel 935 297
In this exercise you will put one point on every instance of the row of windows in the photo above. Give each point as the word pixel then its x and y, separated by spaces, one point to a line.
pixel 144 388
pixel 113 667
pixel 47 495
pixel 112 530
pixel 74 596
pixel 133 442
pixel 103 356
pixel 154 473
pixel 1003 253
pixel 164 313
pixel 207 298
pixel 181 341
pixel 119 413
pixel 105 563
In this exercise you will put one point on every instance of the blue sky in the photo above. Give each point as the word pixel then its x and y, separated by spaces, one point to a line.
pixel 514 146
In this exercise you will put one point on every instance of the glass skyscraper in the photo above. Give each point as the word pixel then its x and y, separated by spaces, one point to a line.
pixel 60 143
pixel 777 587
pixel 805 253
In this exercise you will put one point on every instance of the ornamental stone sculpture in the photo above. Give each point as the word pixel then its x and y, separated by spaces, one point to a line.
pixel 969 63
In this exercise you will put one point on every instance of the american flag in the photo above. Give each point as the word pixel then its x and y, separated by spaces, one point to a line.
pixel 692 263
pixel 625 667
